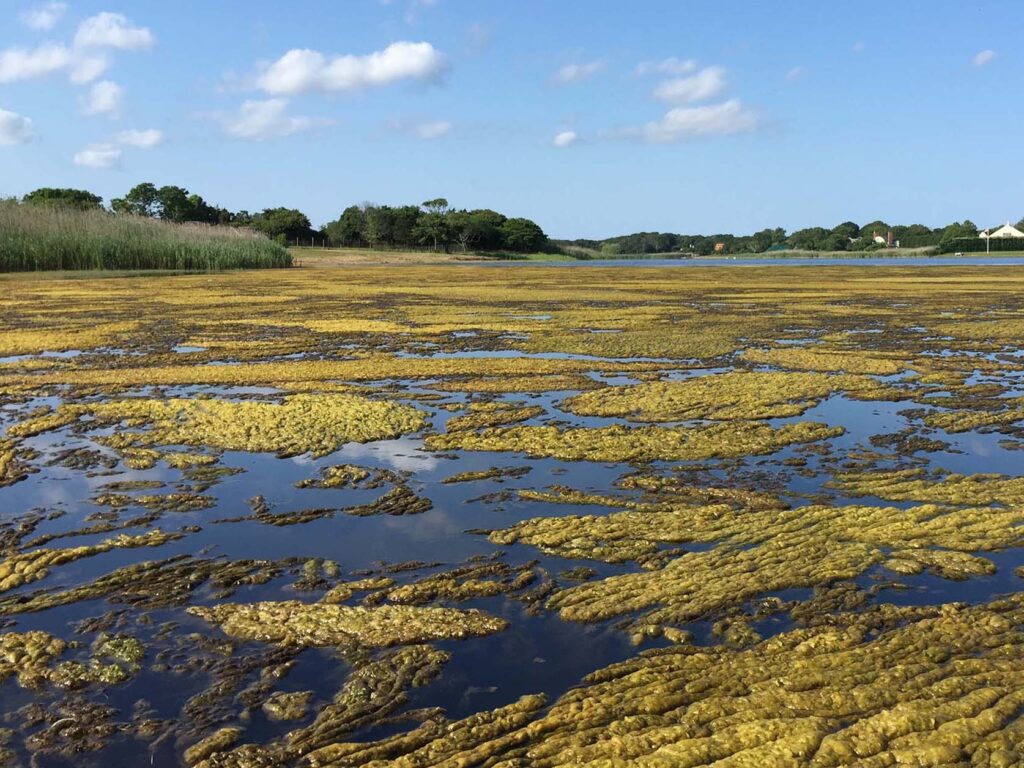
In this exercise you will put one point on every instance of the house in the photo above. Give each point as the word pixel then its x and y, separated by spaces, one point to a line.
pixel 887 241
pixel 1007 230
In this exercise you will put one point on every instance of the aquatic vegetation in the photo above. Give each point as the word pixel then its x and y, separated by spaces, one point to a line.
pixel 788 634
pixel 851 361
pixel 735 395
pixel 494 473
pixel 299 424
pixel 340 476
pixel 637 444
pixel 12 469
pixel 26 567
pixel 400 500
pixel 287 706
pixel 317 624
pixel 493 414
pixel 503 384
pixel 28 656
pixel 941 690
pixel 918 485
pixel 783 549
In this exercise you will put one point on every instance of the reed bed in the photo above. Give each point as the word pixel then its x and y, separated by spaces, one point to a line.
pixel 34 238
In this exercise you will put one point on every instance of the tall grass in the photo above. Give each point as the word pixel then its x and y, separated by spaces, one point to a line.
pixel 44 238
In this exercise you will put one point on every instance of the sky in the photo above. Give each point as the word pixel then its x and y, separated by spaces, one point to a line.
pixel 593 119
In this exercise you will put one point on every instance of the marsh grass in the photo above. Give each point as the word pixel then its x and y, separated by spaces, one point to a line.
pixel 34 238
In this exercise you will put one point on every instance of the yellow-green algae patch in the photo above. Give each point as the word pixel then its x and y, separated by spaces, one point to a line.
pixel 617 443
pixel 26 567
pixel 734 395
pixel 320 624
pixel 757 553
pixel 918 485
pixel 317 424
pixel 943 689
pixel 854 361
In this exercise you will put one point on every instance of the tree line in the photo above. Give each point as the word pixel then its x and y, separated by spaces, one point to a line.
pixel 433 224
pixel 847 236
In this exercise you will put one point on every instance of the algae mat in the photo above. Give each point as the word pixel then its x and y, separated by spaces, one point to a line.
pixel 456 516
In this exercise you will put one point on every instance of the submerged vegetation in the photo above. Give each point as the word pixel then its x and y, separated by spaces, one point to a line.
pixel 37 237
pixel 479 517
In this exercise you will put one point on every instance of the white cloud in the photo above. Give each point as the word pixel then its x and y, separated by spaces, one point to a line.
pixel 258 120
pixel 104 98
pixel 112 30
pixel 706 84
pixel 669 66
pixel 85 69
pixel 794 74
pixel 729 117
pixel 302 69
pixel 28 64
pixel 565 139
pixel 140 139
pixel 45 16
pixel 14 129
pixel 573 73
pixel 433 130
pixel 98 156
pixel 983 57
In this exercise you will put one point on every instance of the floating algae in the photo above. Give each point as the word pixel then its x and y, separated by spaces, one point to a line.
pixel 494 473
pixel 317 624
pixel 918 485
pixel 28 655
pixel 705 556
pixel 26 567
pixel 804 547
pixel 317 424
pixel 637 444
pixel 734 395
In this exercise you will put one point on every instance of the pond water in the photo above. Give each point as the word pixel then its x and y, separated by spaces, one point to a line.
pixel 603 445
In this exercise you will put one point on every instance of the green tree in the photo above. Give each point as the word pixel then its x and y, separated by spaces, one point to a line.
pixel 523 235
pixel 141 200
pixel 348 228
pixel 432 226
pixel 78 199
pixel 289 223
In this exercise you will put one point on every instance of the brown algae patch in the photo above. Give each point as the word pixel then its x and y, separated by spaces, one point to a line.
pixel 320 624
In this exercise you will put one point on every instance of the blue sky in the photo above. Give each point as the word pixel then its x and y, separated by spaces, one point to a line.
pixel 593 119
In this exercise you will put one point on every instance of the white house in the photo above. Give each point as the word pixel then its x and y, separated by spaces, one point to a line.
pixel 1007 230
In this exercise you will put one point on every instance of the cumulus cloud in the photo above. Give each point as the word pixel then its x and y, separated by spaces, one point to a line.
pixel 113 30
pixel 669 66
pixel 84 60
pixel 30 63
pixel 98 156
pixel 706 84
pixel 435 129
pixel 104 98
pixel 85 69
pixel 302 69
pixel 14 129
pixel 45 16
pixel 140 139
pixel 983 57
pixel 726 118
pixel 258 120
pixel 573 73
pixel 565 139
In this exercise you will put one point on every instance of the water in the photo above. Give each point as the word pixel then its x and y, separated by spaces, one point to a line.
pixel 539 652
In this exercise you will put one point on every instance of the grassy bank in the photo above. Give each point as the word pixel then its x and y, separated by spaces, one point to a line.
pixel 34 238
